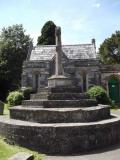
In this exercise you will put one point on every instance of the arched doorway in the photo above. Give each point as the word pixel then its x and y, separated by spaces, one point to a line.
pixel 113 86
pixel 84 80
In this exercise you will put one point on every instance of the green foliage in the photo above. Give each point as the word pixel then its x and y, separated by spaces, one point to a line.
pixel 47 34
pixel 99 93
pixel 109 51
pixel 15 98
pixel 14 46
pixel 26 93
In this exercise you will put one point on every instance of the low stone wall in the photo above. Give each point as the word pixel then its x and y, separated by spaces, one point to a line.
pixel 61 138
pixel 61 115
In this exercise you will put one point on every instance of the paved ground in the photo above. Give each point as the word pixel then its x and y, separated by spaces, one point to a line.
pixel 116 111
pixel 112 153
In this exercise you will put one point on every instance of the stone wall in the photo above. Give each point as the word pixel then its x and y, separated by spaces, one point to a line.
pixel 35 74
pixel 84 73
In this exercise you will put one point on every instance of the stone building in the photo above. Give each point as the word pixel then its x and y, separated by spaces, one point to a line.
pixel 80 64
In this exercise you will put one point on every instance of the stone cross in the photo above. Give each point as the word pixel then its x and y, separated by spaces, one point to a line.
pixel 58 56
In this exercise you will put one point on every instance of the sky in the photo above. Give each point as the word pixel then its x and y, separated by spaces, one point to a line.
pixel 80 20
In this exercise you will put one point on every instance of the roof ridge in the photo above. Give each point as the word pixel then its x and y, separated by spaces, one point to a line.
pixel 38 46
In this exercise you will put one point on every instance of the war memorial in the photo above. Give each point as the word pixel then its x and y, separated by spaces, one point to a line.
pixel 60 118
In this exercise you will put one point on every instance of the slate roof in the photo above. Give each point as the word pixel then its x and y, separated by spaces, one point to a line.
pixel 80 51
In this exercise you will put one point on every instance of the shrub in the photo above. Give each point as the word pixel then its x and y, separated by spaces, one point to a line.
pixel 15 98
pixel 26 92
pixel 100 94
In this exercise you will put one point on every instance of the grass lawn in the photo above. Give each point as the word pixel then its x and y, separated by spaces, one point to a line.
pixel 6 151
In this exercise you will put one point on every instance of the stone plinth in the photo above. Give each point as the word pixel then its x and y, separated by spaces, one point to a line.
pixel 58 80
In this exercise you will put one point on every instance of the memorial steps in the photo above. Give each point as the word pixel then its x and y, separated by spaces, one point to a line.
pixel 61 129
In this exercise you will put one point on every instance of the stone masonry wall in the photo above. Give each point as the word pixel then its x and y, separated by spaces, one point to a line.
pixel 35 73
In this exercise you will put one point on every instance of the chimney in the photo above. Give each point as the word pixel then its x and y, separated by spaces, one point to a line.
pixel 93 42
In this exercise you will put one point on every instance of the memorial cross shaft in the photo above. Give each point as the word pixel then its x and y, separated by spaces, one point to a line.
pixel 58 56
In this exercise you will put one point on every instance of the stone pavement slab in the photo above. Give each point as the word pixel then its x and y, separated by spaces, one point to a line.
pixel 22 156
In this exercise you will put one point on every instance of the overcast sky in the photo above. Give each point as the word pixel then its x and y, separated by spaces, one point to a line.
pixel 80 20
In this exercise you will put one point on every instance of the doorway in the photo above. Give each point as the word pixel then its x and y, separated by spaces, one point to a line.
pixel 113 86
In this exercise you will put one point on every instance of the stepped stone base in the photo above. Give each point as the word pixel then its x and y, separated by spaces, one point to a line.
pixel 61 138
pixel 62 121
pixel 60 115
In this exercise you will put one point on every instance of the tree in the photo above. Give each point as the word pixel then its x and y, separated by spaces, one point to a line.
pixel 109 51
pixel 47 34
pixel 14 46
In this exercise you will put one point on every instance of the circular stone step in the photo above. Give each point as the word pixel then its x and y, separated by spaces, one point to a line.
pixel 63 89
pixel 60 103
pixel 68 96
pixel 60 96
pixel 60 115
pixel 61 138
pixel 39 96
pixel 60 89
